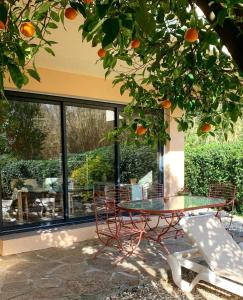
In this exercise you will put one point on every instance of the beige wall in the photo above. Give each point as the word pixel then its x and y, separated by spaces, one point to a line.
pixel 74 85
pixel 174 157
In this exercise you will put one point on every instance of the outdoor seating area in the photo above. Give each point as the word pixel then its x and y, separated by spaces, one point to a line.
pixel 121 166
pixel 73 273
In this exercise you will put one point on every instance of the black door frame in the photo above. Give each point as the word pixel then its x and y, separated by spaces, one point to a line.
pixel 62 102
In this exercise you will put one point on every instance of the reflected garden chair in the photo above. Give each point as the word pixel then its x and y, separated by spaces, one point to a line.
pixel 110 227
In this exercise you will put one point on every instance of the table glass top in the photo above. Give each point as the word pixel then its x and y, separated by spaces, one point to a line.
pixel 177 203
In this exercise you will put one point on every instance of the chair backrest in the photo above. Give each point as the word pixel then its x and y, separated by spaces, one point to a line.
pixel 153 191
pixel 215 244
pixel 223 190
pixel 118 192
pixel 106 210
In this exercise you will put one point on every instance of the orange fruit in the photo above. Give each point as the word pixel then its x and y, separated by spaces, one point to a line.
pixel 166 104
pixel 70 13
pixel 2 25
pixel 27 29
pixel 88 1
pixel 141 130
pixel 102 53
pixel 206 127
pixel 135 43
pixel 191 35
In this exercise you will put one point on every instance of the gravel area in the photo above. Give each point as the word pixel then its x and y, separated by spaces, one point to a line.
pixel 159 290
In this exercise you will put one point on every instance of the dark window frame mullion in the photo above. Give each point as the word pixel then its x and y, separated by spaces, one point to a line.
pixel 160 163
pixel 64 162
pixel 117 153
pixel 53 99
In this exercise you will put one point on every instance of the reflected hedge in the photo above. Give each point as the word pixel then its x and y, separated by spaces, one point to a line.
pixel 135 162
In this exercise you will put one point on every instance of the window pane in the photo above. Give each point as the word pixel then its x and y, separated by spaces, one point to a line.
pixel 30 168
pixel 90 155
pixel 138 164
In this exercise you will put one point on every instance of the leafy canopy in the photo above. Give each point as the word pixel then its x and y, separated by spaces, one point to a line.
pixel 200 77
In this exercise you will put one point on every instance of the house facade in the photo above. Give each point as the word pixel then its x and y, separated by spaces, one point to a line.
pixel 55 151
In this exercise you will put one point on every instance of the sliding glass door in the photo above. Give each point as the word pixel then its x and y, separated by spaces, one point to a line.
pixel 31 165
pixel 90 155
pixel 53 151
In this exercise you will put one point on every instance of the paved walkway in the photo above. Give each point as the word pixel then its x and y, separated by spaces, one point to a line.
pixel 72 274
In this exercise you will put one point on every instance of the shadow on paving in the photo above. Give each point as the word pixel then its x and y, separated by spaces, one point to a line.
pixel 72 273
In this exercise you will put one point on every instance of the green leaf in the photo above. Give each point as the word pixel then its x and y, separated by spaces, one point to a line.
pixel 211 61
pixel 221 16
pixel 16 75
pixel 102 10
pixel 44 8
pixel 55 16
pixel 49 50
pixel 33 73
pixel 62 16
pixel 52 25
pixel 21 55
pixel 127 24
pixel 123 89
pixel 3 13
pixel 111 29
pixel 144 18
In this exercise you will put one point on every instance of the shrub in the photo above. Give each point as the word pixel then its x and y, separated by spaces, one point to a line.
pixel 96 168
pixel 21 169
pixel 137 162
pixel 212 163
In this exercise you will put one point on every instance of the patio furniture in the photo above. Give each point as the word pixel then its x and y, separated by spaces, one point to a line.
pixel 156 191
pixel 6 209
pixel 110 227
pixel 214 244
pixel 120 193
pixel 225 191
pixel 34 202
pixel 174 206
pixel 153 190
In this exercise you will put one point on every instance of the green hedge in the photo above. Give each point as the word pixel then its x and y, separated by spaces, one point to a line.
pixel 212 163
pixel 135 162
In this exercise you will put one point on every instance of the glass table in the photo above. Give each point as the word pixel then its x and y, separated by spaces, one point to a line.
pixel 169 211
pixel 171 204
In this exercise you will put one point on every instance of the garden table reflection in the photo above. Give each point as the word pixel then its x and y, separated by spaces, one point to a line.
pixel 169 211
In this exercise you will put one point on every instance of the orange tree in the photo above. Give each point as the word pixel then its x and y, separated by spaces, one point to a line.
pixel 165 53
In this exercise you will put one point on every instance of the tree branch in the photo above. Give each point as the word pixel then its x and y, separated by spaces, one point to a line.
pixel 229 32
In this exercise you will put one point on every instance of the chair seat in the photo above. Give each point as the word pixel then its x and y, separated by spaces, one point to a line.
pixel 128 219
pixel 119 232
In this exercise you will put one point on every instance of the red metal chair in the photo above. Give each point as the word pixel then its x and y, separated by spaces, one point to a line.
pixel 153 191
pixel 225 191
pixel 120 193
pixel 110 227
pixel 167 222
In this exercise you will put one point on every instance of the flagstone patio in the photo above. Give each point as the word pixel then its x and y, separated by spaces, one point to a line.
pixel 72 273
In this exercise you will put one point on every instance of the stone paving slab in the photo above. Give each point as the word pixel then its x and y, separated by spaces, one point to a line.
pixel 72 274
